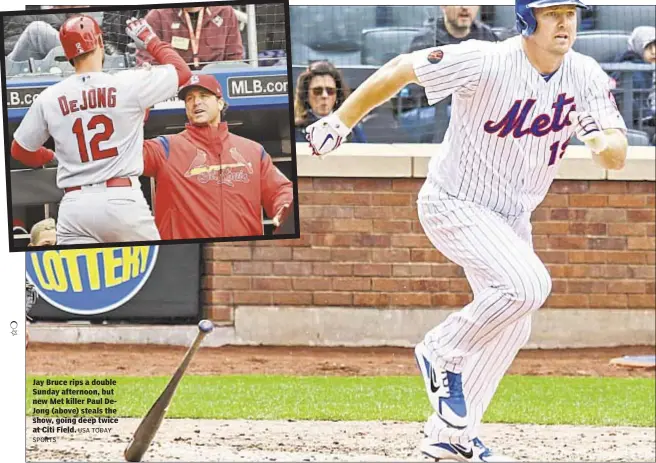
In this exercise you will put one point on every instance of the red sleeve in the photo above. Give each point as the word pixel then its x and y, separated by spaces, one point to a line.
pixel 154 156
pixel 31 158
pixel 234 46
pixel 277 190
pixel 163 53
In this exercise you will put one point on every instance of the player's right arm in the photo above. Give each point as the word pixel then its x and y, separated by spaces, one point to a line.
pixel 146 39
pixel 27 146
pixel 442 71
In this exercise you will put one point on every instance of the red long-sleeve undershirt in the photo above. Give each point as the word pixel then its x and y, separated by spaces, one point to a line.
pixel 31 158
pixel 164 54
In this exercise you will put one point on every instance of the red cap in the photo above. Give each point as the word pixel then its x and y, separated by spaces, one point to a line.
pixel 206 81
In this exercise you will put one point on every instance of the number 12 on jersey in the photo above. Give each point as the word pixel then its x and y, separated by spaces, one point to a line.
pixel 556 153
pixel 94 145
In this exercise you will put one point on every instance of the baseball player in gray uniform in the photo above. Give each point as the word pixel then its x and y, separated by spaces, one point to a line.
pixel 516 104
pixel 96 121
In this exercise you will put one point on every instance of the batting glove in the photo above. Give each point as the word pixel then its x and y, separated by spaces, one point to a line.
pixel 588 131
pixel 326 134
pixel 140 32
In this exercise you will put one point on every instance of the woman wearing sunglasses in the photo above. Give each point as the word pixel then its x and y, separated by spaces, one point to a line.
pixel 320 90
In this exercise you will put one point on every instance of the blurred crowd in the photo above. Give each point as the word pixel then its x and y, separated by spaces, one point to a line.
pixel 218 34
pixel 321 88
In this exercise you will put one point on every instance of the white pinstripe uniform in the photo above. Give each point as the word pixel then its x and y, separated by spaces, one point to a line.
pixel 508 131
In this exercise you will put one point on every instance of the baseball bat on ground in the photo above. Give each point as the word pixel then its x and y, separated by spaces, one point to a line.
pixel 150 423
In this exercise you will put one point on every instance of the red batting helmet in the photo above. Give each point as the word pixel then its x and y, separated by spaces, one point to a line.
pixel 78 35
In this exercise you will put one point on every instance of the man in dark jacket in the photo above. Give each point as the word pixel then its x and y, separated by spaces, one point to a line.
pixel 200 35
pixel 458 23
pixel 641 50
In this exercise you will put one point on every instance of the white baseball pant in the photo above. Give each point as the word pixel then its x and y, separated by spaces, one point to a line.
pixel 101 214
pixel 509 282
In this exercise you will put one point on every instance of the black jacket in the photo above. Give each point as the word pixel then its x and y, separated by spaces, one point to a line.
pixel 440 36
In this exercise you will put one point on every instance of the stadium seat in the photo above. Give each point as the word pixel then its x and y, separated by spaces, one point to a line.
pixel 326 32
pixel 419 123
pixel 225 65
pixel 637 138
pixel 380 126
pixel 54 63
pixel 504 16
pixel 504 33
pixel 303 55
pixel 384 43
pixel 634 137
pixel 624 17
pixel 411 16
pixel 603 46
pixel 114 62
pixel 15 68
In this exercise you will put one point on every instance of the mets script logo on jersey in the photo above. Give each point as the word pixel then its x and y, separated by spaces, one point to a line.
pixel 515 119
pixel 227 174
pixel 90 281
pixel 435 56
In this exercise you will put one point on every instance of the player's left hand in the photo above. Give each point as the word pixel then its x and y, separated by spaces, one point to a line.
pixel 281 215
pixel 326 134
pixel 140 32
pixel 588 131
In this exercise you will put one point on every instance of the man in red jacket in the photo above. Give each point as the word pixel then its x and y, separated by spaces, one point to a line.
pixel 200 35
pixel 211 183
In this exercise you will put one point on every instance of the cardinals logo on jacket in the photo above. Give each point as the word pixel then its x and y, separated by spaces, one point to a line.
pixel 228 174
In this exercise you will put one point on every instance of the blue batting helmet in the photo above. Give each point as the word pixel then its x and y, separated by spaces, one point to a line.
pixel 525 19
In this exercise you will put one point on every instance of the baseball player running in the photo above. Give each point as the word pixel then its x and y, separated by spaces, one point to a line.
pixel 515 106
pixel 96 121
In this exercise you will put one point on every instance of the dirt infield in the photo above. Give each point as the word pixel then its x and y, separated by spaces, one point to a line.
pixel 216 440
pixel 239 440
pixel 145 360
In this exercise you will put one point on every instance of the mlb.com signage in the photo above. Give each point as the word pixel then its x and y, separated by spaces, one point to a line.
pixel 90 281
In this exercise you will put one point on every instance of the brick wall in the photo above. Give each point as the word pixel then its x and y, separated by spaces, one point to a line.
pixel 362 245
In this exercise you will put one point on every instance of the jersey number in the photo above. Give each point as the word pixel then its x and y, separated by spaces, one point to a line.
pixel 555 154
pixel 96 152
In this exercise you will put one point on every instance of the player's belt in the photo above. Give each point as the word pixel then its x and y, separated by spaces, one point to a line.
pixel 111 183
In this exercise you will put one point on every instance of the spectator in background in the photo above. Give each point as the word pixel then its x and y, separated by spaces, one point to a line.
pixel 39 37
pixel 43 233
pixel 31 297
pixel 32 36
pixel 641 49
pixel 199 34
pixel 459 24
pixel 320 90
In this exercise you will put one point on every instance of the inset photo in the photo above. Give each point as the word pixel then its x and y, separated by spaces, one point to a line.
pixel 149 125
